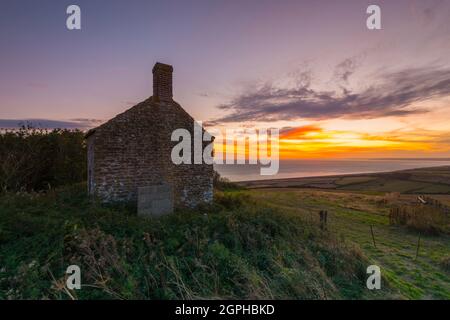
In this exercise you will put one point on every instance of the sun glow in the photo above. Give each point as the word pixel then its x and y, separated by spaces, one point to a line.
pixel 315 141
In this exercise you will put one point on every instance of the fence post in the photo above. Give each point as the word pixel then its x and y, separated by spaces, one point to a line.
pixel 323 219
pixel 373 236
pixel 418 247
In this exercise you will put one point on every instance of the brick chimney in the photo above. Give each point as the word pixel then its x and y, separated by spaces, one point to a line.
pixel 162 82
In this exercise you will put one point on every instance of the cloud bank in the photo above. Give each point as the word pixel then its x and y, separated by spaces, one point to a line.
pixel 391 94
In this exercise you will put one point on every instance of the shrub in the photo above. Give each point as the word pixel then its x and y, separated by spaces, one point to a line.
pixel 231 200
pixel 38 159
pixel 445 264
pixel 223 184
pixel 423 218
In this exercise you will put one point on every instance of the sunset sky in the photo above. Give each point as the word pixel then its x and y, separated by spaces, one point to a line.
pixel 310 68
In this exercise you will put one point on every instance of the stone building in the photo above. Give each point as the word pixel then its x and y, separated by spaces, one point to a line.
pixel 133 150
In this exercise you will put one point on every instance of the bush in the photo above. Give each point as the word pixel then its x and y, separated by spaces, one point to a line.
pixel 445 264
pixel 231 200
pixel 38 159
pixel 423 218
pixel 223 184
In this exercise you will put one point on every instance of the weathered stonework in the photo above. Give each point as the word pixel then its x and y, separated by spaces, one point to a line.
pixel 133 150
pixel 155 200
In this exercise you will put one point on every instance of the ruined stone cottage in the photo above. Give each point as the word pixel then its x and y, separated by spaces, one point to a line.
pixel 133 150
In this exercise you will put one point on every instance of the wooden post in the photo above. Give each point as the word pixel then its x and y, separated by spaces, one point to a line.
pixel 322 215
pixel 321 219
pixel 418 246
pixel 373 236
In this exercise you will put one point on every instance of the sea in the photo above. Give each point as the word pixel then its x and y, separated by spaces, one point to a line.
pixel 313 168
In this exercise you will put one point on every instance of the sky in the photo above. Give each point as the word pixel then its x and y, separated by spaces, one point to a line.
pixel 334 88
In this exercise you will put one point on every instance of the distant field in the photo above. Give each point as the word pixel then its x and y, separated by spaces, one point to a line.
pixel 434 180
pixel 350 217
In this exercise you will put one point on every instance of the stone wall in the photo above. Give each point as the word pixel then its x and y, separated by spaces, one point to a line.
pixel 134 150
pixel 162 82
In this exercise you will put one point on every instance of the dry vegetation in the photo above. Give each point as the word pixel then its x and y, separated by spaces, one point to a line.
pixel 423 218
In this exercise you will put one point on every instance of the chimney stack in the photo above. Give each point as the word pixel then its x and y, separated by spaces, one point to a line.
pixel 162 82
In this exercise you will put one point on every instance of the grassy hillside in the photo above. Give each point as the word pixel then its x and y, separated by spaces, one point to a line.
pixel 351 214
pixel 236 248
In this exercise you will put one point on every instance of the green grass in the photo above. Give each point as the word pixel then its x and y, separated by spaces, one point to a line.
pixel 351 215
pixel 235 248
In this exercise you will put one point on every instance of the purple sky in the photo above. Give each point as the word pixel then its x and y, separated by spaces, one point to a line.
pixel 220 50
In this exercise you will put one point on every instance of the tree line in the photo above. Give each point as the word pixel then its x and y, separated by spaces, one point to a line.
pixel 34 159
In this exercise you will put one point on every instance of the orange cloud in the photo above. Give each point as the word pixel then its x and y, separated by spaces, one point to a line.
pixel 300 132
pixel 313 141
